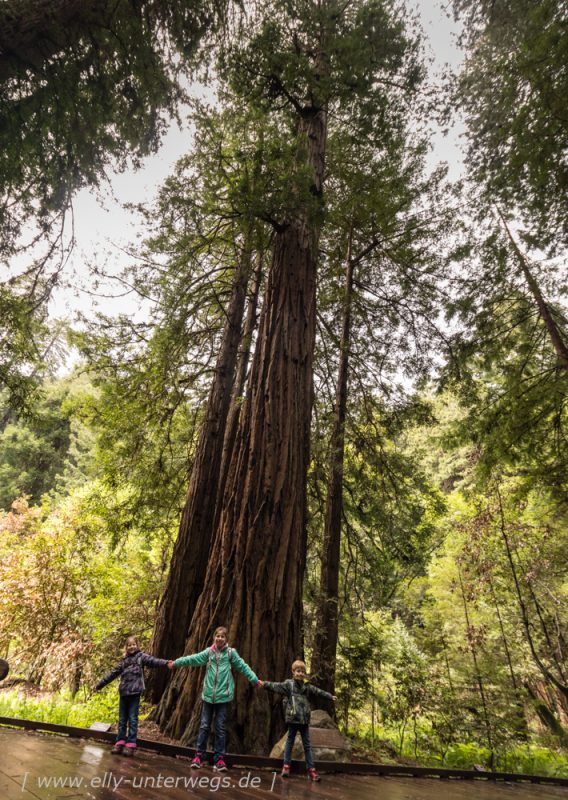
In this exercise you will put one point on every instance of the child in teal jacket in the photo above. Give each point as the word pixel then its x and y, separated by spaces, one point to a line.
pixel 218 691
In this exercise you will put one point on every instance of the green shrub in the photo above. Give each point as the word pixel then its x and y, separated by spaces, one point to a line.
pixel 60 708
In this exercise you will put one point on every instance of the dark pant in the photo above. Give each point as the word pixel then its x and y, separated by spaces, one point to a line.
pixel 207 712
pixel 128 715
pixel 304 731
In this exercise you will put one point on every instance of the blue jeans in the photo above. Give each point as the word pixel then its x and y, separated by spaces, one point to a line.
pixel 207 712
pixel 128 708
pixel 304 731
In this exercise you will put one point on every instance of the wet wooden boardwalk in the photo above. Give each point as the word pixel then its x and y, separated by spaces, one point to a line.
pixel 37 766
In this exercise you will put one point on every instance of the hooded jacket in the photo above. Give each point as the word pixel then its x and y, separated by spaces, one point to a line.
pixel 219 684
pixel 131 672
pixel 297 709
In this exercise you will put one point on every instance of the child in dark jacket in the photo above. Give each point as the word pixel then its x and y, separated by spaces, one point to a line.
pixel 297 715
pixel 130 689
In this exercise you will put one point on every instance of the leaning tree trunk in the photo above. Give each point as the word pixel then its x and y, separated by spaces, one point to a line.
pixel 325 645
pixel 191 550
pixel 549 676
pixel 543 307
pixel 254 577
pixel 477 671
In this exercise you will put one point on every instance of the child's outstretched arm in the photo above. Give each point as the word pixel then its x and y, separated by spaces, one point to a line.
pixel 195 660
pixel 152 661
pixel 277 688
pixel 314 691
pixel 244 668
pixel 114 673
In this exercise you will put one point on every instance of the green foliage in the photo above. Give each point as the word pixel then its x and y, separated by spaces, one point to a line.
pixel 109 73
pixel 85 88
pixel 365 44
pixel 526 759
pixel 534 760
pixel 414 681
pixel 522 759
pixel 512 90
pixel 68 599
pixel 60 708
pixel 390 507
pixel 50 450
pixel 30 344
pixel 504 369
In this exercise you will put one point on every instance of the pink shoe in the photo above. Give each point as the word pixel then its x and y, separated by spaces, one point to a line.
pixel 285 771
pixel 220 766
pixel 313 776
pixel 129 750
pixel 196 763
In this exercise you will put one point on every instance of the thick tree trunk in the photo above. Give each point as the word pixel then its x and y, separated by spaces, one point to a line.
pixel 191 550
pixel 325 645
pixel 254 576
pixel 243 359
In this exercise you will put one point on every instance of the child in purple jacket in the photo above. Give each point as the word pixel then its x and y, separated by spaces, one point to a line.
pixel 130 689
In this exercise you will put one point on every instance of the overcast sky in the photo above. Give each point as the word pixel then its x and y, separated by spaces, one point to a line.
pixel 103 228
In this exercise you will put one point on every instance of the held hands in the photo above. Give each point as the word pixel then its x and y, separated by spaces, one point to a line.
pixel 170 664
pixel 259 684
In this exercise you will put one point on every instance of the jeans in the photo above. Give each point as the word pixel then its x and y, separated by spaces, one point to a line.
pixel 128 715
pixel 207 712
pixel 304 730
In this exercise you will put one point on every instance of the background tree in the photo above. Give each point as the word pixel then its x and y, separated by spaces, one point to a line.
pixel 51 450
pixel 386 212
pixel 509 296
pixel 506 354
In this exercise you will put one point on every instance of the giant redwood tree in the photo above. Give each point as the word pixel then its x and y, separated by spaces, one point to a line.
pixel 302 61
pixel 229 205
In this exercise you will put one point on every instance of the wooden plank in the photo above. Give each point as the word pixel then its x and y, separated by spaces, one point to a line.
pixel 64 757
pixel 346 768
